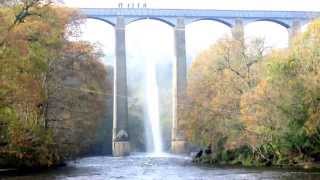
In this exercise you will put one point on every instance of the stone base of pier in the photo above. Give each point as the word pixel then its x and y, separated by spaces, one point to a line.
pixel 179 147
pixel 121 148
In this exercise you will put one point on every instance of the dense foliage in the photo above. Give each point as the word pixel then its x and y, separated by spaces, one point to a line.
pixel 33 35
pixel 256 107
pixel 79 108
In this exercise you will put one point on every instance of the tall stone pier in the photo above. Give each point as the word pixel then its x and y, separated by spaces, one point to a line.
pixel 120 145
pixel 238 30
pixel 178 142
pixel 293 31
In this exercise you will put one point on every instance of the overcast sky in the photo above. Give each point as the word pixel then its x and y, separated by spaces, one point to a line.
pixel 313 5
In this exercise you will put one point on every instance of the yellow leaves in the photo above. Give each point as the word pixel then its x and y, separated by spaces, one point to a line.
pixel 313 121
pixel 313 31
pixel 312 98
pixel 27 50
pixel 238 101
pixel 6 17
pixel 79 47
pixel 291 86
pixel 277 55
pixel 260 113
pixel 217 80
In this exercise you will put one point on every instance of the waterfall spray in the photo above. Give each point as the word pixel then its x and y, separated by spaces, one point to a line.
pixel 153 114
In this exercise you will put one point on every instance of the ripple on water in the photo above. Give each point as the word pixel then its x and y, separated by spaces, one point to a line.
pixel 157 167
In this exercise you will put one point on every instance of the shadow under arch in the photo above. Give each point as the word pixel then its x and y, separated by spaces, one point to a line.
pixel 100 19
pixel 213 20
pixel 283 24
pixel 152 18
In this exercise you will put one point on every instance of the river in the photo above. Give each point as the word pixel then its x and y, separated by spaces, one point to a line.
pixel 148 167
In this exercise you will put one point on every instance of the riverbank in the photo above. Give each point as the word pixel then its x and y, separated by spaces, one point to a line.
pixel 210 161
pixel 16 172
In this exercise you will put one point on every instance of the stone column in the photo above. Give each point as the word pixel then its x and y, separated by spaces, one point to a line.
pixel 178 142
pixel 120 145
pixel 293 31
pixel 238 30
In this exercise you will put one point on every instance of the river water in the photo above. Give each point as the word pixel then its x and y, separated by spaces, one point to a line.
pixel 148 167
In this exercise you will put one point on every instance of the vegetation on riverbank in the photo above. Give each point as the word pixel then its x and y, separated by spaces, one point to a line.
pixel 257 107
pixel 33 37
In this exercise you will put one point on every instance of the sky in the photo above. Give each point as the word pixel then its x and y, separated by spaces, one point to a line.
pixel 310 5
pixel 150 39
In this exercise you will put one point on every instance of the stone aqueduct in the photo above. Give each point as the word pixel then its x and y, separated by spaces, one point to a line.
pixel 178 19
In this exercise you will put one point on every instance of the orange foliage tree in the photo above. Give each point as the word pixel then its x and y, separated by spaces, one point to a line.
pixel 217 80
pixel 33 34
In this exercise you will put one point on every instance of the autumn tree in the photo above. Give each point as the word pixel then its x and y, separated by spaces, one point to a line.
pixel 282 114
pixel 217 80
pixel 258 112
pixel 33 35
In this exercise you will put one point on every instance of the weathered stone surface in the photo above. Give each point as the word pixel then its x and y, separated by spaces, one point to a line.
pixel 120 106
pixel 179 83
pixel 179 147
pixel 293 31
pixel 238 30
pixel 121 148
